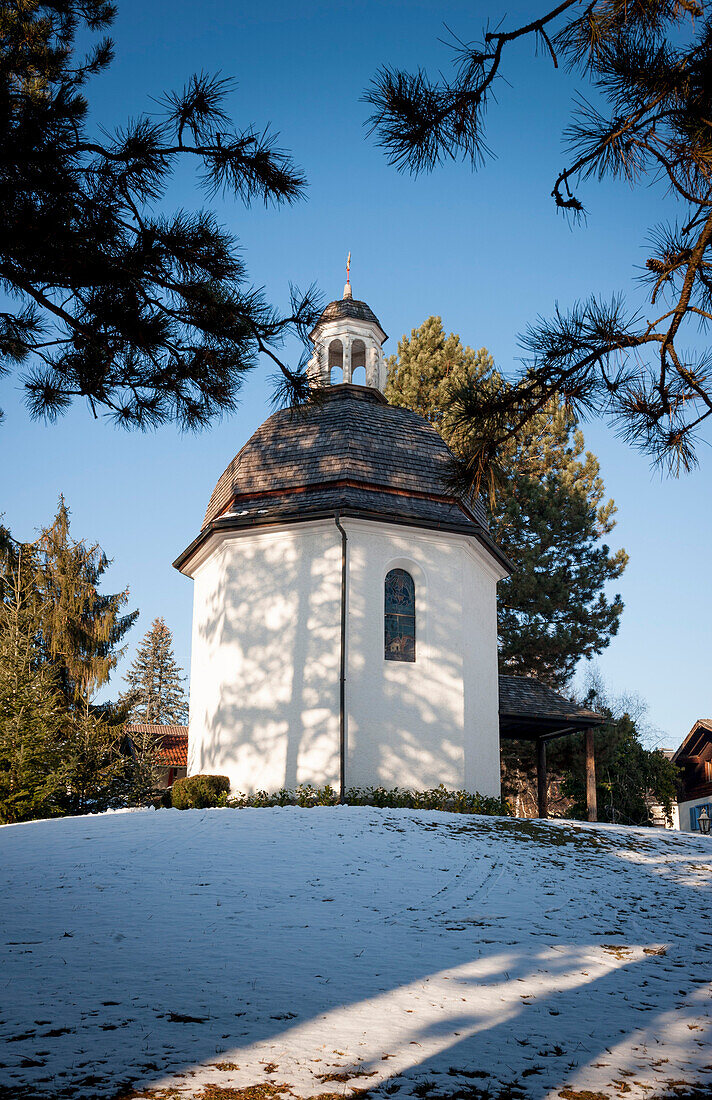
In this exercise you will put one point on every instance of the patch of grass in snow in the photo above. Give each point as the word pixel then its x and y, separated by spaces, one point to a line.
pixel 20 1037
pixel 169 1093
pixel 213 1091
pixel 508 1090
pixel 21 1093
pixel 344 1075
pixel 265 1092
pixel 550 833
pixel 618 950
pixel 582 1094
pixel 453 1072
pixel 681 1091
pixel 674 1090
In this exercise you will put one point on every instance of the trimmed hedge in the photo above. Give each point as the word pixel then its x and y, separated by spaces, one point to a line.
pixel 439 798
pixel 204 791
pixel 199 792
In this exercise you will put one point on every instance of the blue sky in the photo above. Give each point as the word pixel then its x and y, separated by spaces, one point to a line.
pixel 485 250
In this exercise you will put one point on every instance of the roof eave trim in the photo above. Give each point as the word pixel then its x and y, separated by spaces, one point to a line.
pixel 588 718
pixel 236 523
pixel 683 749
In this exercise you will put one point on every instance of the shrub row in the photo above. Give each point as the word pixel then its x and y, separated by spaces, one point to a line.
pixel 438 798
pixel 202 791
pixel 199 792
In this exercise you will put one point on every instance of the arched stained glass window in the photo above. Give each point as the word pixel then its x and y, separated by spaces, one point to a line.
pixel 400 616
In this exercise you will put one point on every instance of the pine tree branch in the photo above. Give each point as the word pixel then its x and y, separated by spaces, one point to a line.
pixel 657 82
pixel 82 244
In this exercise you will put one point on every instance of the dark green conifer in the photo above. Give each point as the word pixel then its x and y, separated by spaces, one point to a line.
pixel 143 769
pixel 32 718
pixel 59 641
pixel 548 510
pixel 97 772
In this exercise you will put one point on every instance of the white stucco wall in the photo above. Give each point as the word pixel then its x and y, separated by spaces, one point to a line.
pixel 435 720
pixel 265 661
pixel 684 812
pixel 264 695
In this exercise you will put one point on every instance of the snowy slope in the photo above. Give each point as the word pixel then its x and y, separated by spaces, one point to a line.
pixel 392 948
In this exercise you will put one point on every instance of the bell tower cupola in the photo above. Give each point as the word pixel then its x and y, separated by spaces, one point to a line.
pixel 348 344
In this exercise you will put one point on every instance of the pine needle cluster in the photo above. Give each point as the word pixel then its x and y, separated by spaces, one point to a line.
pixel 145 314
pixel 649 63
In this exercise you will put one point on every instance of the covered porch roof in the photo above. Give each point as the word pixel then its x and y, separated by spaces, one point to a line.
pixel 531 711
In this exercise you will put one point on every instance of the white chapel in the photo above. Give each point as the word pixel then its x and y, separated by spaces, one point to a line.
pixel 344 622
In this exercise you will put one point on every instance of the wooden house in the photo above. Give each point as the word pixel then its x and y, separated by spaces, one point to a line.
pixel 694 758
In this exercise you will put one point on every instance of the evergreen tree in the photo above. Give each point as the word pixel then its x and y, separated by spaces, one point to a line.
pixel 31 716
pixel 142 312
pixel 95 769
pixel 81 627
pixel 630 779
pixel 155 680
pixel 81 633
pixel 548 510
pixel 142 769
pixel 649 64
pixel 59 753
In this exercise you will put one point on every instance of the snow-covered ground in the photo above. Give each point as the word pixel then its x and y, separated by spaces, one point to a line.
pixel 331 950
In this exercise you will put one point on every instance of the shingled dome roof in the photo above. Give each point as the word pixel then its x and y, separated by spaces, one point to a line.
pixel 349 309
pixel 348 452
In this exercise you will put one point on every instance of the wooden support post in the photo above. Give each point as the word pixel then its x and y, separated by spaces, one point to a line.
pixel 591 778
pixel 542 785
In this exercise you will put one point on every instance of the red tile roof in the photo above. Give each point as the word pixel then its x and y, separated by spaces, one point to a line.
pixel 172 741
pixel 174 750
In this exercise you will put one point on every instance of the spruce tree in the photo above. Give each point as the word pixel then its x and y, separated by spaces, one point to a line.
pixel 32 720
pixel 49 676
pixel 155 680
pixel 143 769
pixel 81 627
pixel 81 633
pixel 96 771
pixel 548 510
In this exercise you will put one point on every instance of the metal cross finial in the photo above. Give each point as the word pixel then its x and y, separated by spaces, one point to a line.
pixel 347 288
